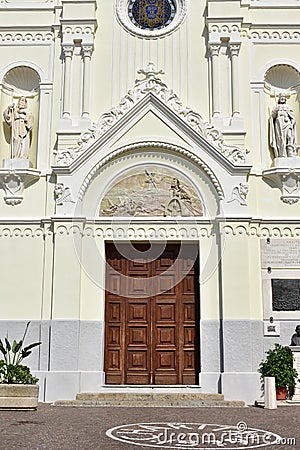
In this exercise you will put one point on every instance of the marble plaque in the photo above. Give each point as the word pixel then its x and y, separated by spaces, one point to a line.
pixel 280 253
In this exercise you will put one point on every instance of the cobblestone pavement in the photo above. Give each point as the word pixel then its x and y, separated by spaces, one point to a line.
pixel 67 428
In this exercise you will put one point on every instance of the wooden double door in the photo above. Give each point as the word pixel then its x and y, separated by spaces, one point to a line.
pixel 151 314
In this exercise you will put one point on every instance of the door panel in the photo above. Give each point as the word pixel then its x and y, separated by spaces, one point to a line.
pixel 151 323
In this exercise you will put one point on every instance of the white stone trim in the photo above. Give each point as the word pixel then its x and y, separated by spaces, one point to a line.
pixel 20 63
pixel 124 20
pixel 152 87
pixel 153 145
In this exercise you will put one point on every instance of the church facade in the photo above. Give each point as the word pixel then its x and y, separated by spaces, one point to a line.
pixel 150 186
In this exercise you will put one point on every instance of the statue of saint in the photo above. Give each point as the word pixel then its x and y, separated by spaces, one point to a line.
pixel 295 341
pixel 283 129
pixel 20 119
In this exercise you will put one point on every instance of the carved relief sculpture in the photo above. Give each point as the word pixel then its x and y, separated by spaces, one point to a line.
pixel 20 119
pixel 283 129
pixel 62 194
pixel 151 192
pixel 239 194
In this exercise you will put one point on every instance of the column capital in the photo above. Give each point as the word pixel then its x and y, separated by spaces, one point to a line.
pixel 68 50
pixel 214 48
pixel 234 48
pixel 87 51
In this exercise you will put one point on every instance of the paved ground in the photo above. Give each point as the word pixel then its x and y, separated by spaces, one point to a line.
pixel 55 428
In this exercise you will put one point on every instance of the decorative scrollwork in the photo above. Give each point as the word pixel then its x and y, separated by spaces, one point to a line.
pixel 151 84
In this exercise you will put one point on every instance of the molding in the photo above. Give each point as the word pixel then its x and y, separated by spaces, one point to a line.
pixel 118 228
pixel 266 34
pixel 138 232
pixel 261 230
pixel 32 6
pixel 286 175
pixel 13 182
pixel 26 37
pixel 29 64
pixel 269 4
pixel 153 145
pixel 21 231
pixel 152 85
pixel 121 11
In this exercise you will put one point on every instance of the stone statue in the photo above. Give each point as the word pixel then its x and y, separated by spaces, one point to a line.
pixel 20 119
pixel 283 129
pixel 295 341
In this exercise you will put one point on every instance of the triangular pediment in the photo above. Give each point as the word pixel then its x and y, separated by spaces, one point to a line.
pixel 155 127
pixel 153 107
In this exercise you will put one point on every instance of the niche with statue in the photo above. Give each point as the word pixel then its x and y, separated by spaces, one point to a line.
pixel 282 84
pixel 19 136
pixel 20 107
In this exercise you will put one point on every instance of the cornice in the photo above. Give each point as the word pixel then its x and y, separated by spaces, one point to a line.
pixel 152 89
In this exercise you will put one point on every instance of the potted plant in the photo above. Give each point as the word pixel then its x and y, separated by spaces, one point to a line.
pixel 18 387
pixel 279 364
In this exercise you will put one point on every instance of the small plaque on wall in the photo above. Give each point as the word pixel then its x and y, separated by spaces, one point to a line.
pixel 271 328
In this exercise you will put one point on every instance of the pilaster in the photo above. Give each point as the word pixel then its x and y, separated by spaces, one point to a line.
pixel 224 24
pixel 78 27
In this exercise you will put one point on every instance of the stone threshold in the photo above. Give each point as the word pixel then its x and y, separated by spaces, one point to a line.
pixel 154 399
pixel 261 403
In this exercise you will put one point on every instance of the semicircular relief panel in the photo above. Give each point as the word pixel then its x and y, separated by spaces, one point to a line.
pixel 152 191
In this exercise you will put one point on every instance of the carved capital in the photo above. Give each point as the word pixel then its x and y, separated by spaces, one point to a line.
pixel 68 50
pixel 214 49
pixel 87 51
pixel 234 49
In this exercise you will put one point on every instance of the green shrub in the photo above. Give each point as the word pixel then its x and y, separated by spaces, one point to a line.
pixel 279 363
pixel 16 374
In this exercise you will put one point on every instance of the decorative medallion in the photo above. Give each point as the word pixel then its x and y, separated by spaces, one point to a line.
pixel 151 14
pixel 150 18
pixel 152 192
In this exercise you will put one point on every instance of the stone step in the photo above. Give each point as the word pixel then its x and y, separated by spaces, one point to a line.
pixel 151 396
pixel 152 404
pixel 193 400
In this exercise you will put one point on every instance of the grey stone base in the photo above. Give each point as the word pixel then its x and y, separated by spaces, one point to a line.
pixel 71 357
pixel 66 385
pixel 241 386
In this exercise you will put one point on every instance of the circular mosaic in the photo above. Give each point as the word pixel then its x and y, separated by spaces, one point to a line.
pixel 150 18
pixel 151 14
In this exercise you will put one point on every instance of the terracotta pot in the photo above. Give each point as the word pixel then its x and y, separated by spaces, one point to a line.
pixel 281 393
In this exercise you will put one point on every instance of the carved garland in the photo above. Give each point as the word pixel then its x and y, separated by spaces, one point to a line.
pixel 152 84
pixel 154 145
